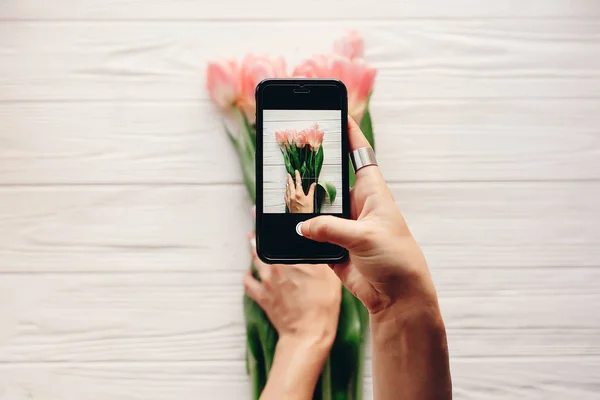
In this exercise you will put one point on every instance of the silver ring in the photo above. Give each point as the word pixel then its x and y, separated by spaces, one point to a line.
pixel 363 157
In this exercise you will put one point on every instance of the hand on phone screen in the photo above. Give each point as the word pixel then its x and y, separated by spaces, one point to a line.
pixel 296 200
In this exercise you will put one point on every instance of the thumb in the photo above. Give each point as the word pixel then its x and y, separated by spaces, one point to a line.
pixel 327 228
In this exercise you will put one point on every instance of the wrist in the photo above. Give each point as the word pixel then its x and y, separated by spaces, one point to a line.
pixel 413 289
pixel 410 350
pixel 318 343
pixel 296 367
pixel 410 296
pixel 421 313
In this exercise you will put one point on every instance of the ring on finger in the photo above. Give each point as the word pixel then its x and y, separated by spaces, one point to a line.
pixel 363 157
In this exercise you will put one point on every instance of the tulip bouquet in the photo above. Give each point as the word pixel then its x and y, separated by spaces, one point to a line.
pixel 231 86
pixel 302 152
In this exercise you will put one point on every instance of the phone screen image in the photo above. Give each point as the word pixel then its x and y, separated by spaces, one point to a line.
pixel 302 161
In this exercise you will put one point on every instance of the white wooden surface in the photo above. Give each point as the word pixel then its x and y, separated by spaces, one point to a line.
pixel 123 217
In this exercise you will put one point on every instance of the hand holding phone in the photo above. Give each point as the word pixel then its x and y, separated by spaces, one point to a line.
pixel 301 166
pixel 386 265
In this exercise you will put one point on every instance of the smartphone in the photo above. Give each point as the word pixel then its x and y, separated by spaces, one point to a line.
pixel 301 166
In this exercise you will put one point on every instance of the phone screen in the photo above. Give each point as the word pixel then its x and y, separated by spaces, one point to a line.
pixel 302 161
pixel 302 166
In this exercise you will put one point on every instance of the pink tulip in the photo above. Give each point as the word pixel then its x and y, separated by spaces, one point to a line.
pixel 291 137
pixel 316 67
pixel 301 139
pixel 282 138
pixel 314 137
pixel 356 75
pixel 222 80
pixel 359 80
pixel 253 70
pixel 351 45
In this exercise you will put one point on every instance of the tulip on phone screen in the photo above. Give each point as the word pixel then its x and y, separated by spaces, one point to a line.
pixel 303 156
pixel 315 137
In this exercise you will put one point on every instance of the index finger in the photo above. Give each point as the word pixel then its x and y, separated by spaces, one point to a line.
pixel 356 137
pixel 357 140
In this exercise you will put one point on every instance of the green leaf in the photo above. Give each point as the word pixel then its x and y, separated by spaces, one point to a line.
pixel 245 144
pixel 231 136
pixel 303 172
pixel 302 155
pixel 348 350
pixel 261 340
pixel 288 164
pixel 329 190
pixel 325 191
pixel 247 137
pixel 351 174
pixel 318 162
pixel 323 388
pixel 366 126
pixel 254 349
pixel 249 175
pixel 295 158
pixel 309 161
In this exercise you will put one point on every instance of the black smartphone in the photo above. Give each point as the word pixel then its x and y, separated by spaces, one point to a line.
pixel 301 166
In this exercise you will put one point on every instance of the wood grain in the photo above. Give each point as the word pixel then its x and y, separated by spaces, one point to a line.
pixel 123 219
pixel 417 140
pixel 416 59
pixel 119 317
pixel 176 228
pixel 490 379
pixel 275 10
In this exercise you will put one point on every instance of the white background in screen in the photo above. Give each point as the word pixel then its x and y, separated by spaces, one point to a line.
pixel 274 173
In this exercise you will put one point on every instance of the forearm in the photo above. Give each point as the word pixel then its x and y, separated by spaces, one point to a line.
pixel 410 352
pixel 296 368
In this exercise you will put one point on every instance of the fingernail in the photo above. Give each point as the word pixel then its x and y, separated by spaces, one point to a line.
pixel 305 229
pixel 253 243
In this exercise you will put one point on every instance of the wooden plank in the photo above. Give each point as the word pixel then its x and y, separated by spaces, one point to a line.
pixel 276 10
pixel 487 379
pixel 535 378
pixel 114 143
pixel 125 228
pixel 101 381
pixel 503 224
pixel 427 140
pixel 121 317
pixel 176 228
pixel 506 58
